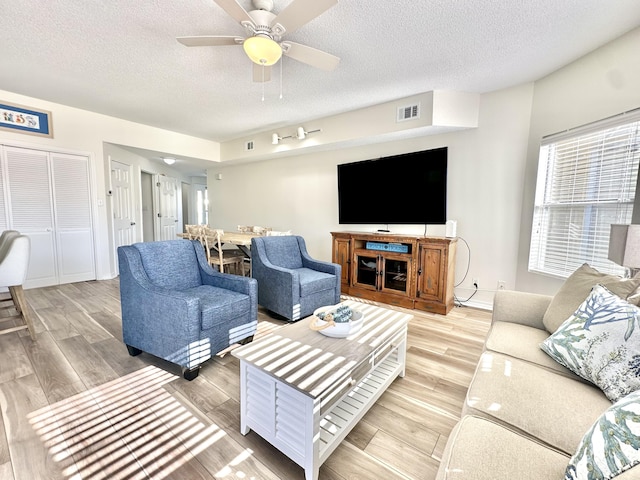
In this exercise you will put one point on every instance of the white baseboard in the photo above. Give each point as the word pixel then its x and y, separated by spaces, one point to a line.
pixel 477 304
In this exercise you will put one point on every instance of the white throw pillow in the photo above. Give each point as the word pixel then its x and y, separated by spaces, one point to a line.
pixel 612 444
pixel 601 343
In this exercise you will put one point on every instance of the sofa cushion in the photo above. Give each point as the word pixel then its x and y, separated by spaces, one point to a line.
pixel 554 408
pixel 611 445
pixel 523 342
pixel 220 306
pixel 576 288
pixel 601 343
pixel 483 450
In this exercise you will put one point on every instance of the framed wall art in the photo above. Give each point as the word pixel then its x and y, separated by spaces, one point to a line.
pixel 18 118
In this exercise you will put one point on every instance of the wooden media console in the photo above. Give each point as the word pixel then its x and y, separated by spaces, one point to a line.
pixel 410 271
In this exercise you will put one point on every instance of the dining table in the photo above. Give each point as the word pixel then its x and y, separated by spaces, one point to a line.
pixel 241 239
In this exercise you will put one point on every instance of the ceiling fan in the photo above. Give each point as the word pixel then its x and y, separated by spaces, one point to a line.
pixel 263 43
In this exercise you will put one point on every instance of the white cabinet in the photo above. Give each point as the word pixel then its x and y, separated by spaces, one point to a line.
pixel 46 196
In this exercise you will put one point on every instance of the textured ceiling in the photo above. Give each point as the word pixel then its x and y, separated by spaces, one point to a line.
pixel 121 58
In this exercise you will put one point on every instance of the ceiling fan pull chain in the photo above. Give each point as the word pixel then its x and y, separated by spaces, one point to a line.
pixel 263 81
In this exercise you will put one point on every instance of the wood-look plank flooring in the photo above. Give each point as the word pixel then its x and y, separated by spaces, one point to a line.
pixel 75 405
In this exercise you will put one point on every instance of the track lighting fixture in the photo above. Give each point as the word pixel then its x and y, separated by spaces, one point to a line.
pixel 302 134
pixel 275 139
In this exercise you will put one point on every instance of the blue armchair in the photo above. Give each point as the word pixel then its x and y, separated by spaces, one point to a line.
pixel 176 307
pixel 290 282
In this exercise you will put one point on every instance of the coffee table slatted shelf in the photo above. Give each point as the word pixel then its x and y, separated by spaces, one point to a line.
pixel 303 392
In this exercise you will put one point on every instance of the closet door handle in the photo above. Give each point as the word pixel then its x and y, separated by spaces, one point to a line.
pixel 133 223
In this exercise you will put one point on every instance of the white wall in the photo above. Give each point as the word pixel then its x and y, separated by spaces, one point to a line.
pixel 601 84
pixel 84 132
pixel 485 173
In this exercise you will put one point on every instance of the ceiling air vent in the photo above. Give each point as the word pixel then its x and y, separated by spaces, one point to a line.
pixel 248 146
pixel 409 112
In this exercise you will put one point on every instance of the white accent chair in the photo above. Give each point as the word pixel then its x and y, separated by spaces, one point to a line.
pixel 15 251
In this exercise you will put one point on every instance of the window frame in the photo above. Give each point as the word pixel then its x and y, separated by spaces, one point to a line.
pixel 577 198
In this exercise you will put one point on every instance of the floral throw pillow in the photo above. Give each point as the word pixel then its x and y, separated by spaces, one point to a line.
pixel 601 343
pixel 612 444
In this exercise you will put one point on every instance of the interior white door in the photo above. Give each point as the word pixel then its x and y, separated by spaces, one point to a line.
pixel 124 222
pixel 166 207
pixel 31 210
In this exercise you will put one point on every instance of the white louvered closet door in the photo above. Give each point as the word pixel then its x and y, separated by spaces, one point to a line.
pixel 72 214
pixel 48 199
pixel 31 210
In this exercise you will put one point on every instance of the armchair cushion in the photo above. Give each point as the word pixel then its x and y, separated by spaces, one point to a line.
pixel 312 281
pixel 284 253
pixel 161 262
pixel 219 306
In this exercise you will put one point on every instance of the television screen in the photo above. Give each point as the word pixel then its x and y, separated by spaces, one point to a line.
pixel 401 189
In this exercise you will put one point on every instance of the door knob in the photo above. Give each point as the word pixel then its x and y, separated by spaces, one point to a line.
pixel 133 223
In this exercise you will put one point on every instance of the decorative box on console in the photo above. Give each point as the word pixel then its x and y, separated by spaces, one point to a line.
pixel 388 247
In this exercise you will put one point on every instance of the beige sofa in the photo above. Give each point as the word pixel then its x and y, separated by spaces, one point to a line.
pixel 525 414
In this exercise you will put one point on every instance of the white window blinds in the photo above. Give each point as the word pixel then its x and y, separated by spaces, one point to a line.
pixel 586 181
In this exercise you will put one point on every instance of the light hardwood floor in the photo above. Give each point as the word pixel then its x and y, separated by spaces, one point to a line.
pixel 75 405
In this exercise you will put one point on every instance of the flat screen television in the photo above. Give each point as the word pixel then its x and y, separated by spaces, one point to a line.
pixel 402 189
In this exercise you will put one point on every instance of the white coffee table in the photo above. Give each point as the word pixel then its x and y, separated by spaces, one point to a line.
pixel 303 392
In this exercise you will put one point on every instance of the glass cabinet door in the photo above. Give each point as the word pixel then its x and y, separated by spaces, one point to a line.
pixel 366 270
pixel 396 274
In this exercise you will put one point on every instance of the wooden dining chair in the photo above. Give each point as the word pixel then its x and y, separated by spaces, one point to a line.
pixel 261 230
pixel 193 231
pixel 223 257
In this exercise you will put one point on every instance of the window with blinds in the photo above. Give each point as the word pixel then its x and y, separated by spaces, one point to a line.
pixel 586 181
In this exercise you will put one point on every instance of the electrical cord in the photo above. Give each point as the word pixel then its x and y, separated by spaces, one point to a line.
pixel 468 263
pixel 460 303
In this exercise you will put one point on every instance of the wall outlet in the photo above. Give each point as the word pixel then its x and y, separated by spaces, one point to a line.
pixel 475 283
pixel 502 285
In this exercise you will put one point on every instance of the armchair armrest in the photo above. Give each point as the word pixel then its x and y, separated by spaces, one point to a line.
pixel 520 307
pixel 320 266
pixel 209 276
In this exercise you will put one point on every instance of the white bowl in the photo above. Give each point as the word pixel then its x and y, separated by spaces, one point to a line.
pixel 339 330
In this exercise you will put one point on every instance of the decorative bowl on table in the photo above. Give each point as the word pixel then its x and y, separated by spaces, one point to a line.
pixel 338 321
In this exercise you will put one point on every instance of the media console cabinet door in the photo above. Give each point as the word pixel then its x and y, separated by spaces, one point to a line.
pixel 432 265
pixel 342 256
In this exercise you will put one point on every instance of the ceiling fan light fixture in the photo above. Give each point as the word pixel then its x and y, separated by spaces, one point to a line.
pixel 262 50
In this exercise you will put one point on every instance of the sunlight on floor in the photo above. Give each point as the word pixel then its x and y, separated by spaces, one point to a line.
pixel 130 428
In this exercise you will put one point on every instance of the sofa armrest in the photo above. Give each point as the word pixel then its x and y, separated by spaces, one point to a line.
pixel 520 307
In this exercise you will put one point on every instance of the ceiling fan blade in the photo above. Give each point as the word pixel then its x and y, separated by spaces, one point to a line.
pixel 297 13
pixel 310 56
pixel 210 41
pixel 259 71
pixel 235 10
